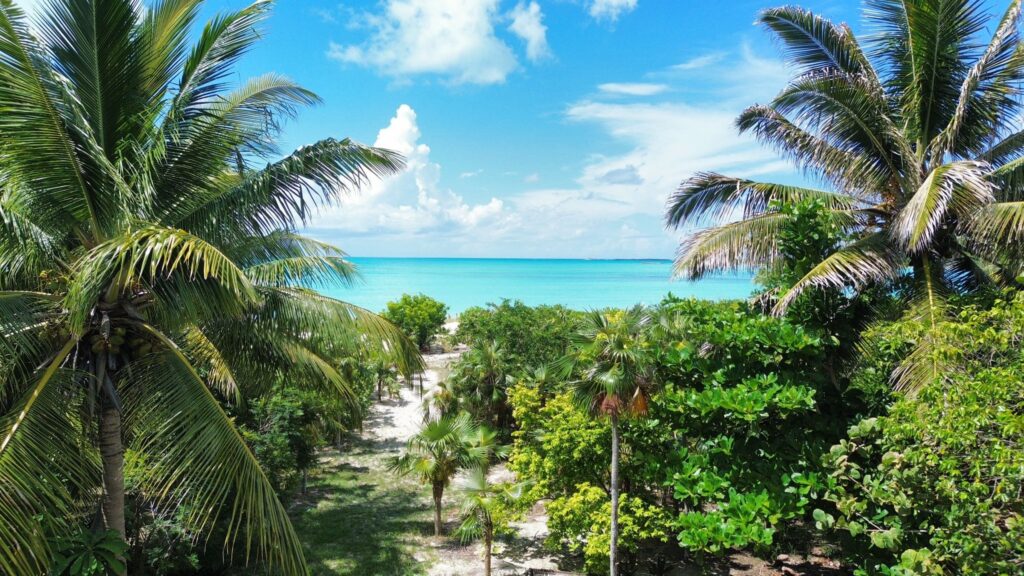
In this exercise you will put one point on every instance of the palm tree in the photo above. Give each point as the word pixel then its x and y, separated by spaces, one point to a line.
pixel 481 506
pixel 149 266
pixel 616 380
pixel 437 452
pixel 480 380
pixel 916 139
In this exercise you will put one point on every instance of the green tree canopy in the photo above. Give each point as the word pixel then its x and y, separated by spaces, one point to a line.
pixel 419 315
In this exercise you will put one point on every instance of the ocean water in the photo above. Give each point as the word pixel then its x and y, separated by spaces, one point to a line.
pixel 580 284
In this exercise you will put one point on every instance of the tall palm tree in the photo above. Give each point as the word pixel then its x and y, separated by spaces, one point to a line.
pixel 481 503
pixel 916 139
pixel 616 380
pixel 149 265
pixel 438 451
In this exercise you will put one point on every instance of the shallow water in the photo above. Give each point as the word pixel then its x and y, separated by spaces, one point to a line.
pixel 580 284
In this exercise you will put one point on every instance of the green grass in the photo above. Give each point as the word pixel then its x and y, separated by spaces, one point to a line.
pixel 360 519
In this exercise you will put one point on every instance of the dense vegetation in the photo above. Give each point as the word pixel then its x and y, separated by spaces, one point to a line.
pixel 167 377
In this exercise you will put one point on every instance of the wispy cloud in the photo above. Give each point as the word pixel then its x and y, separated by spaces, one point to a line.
pixel 700 61
pixel 632 88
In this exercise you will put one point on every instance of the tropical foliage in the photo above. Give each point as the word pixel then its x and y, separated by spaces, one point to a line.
pixel 914 135
pixel 149 266
pixel 933 487
pixel 484 509
pixel 440 450
pixel 419 316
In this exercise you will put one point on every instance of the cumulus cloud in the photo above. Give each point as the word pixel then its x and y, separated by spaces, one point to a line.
pixel 632 88
pixel 411 204
pixel 453 39
pixel 610 9
pixel 612 207
pixel 527 23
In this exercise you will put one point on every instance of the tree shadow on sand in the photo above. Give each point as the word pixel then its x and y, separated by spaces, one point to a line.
pixel 360 519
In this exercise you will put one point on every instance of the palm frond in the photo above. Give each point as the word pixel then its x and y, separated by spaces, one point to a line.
pixel 815 44
pixel 862 262
pixel 193 459
pixel 849 113
pixel 957 188
pixel 26 250
pixel 37 119
pixel 244 121
pixel 926 48
pixel 989 96
pixel 299 271
pixel 850 169
pixel 153 253
pixel 94 46
pixel 298 311
pixel 203 352
pixel 709 197
pixel 286 193
pixel 43 469
pixel 747 243
pixel 222 42
pixel 164 34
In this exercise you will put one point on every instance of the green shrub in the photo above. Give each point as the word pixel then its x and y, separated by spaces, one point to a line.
pixel 934 487
pixel 419 316
pixel 753 412
pixel 284 437
pixel 530 335
pixel 580 523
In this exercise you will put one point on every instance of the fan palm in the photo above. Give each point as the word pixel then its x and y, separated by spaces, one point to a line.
pixel 616 380
pixel 480 380
pixel 149 264
pixel 438 451
pixel 916 138
pixel 481 505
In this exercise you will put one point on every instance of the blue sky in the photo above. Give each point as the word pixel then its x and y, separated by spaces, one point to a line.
pixel 534 128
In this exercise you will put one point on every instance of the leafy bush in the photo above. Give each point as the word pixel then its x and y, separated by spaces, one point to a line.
pixel 530 335
pixel 556 445
pixel 419 316
pixel 283 436
pixel 580 522
pixel 934 487
pixel 90 553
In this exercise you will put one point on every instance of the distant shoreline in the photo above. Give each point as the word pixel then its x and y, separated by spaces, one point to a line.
pixel 657 260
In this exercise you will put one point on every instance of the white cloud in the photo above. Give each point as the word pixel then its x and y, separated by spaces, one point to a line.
pixel 412 203
pixel 527 23
pixel 610 9
pixel 700 61
pixel 471 174
pixel 614 205
pixel 453 39
pixel 632 88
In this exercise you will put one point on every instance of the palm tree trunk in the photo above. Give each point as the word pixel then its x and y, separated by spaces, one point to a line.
pixel 488 543
pixel 613 552
pixel 112 455
pixel 438 493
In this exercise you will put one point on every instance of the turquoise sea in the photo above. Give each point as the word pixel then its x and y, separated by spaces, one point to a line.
pixel 579 284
